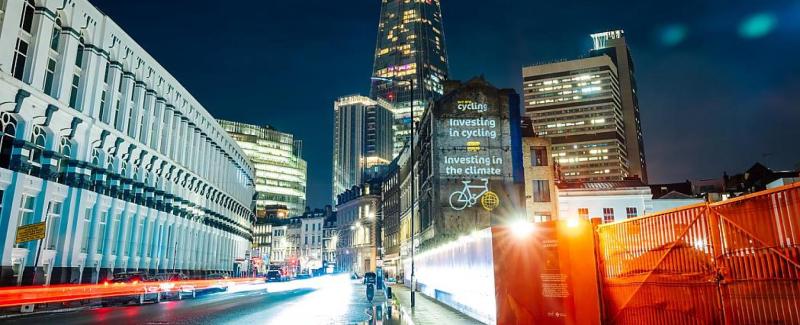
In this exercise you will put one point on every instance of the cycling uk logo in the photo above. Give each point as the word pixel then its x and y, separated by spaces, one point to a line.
pixel 470 195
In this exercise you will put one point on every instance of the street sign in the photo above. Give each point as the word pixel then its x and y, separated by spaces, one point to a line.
pixel 34 231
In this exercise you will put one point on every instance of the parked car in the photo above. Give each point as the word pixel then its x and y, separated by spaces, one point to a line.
pixel 274 276
pixel 222 282
pixel 172 288
pixel 303 276
pixel 151 291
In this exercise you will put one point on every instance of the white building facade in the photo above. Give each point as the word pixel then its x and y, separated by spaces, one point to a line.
pixel 311 247
pixel 612 200
pixel 99 141
pixel 278 253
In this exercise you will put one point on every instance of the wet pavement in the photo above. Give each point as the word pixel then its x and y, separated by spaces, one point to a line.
pixel 323 300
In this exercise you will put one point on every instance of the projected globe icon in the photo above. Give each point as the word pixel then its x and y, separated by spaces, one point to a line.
pixel 490 201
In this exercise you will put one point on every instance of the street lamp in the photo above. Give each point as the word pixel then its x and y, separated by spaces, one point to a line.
pixel 413 177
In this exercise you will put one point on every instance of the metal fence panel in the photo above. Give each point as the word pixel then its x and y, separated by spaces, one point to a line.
pixel 732 262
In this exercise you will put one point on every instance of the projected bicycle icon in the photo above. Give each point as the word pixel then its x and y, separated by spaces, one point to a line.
pixel 469 195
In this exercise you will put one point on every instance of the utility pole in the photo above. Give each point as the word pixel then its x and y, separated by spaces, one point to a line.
pixel 413 199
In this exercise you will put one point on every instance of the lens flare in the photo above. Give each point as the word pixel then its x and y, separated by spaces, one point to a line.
pixel 673 34
pixel 758 25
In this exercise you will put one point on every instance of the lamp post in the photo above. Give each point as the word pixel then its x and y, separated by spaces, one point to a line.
pixel 413 178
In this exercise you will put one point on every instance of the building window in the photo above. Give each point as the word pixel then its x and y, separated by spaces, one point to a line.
pixel 631 212
pixel 79 55
pixel 101 232
pixel 116 114
pixel 26 23
pixel 134 229
pixel 583 213
pixel 26 215
pixel 608 215
pixel 9 128
pixel 53 224
pixel 131 120
pixel 538 156
pixel 87 231
pixel 20 57
pixel 542 217
pixel 541 191
pixel 49 74
pixel 55 37
pixel 115 228
pixel 73 94
pixel 102 114
pixel 38 141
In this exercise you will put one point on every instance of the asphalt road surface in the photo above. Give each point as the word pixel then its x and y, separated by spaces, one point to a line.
pixel 324 300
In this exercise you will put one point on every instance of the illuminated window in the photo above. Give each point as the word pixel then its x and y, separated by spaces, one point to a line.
pixel 608 215
pixel 542 217
pixel 538 156
pixel 541 191
pixel 583 213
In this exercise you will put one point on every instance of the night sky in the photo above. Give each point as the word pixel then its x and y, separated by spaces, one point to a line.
pixel 719 81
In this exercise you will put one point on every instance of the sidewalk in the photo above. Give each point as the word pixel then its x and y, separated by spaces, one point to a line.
pixel 427 310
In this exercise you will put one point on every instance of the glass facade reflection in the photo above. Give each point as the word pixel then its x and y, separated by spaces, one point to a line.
pixel 277 159
pixel 410 46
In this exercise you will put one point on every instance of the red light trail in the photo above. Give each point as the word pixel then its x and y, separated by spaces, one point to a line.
pixel 16 296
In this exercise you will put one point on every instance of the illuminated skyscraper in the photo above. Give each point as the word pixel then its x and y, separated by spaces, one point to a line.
pixel 576 104
pixel 362 141
pixel 410 46
pixel 279 167
pixel 612 43
pixel 589 109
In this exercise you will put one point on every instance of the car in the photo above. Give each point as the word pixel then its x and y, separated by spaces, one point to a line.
pixel 172 285
pixel 303 276
pixel 150 291
pixel 222 282
pixel 274 276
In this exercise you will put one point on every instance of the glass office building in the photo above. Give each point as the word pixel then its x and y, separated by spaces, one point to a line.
pixel 279 166
pixel 410 46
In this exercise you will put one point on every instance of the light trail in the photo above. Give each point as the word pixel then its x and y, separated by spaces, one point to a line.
pixel 16 296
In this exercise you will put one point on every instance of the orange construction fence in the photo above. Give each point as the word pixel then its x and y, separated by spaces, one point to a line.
pixel 730 262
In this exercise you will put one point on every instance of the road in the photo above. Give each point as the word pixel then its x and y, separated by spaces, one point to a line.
pixel 324 300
